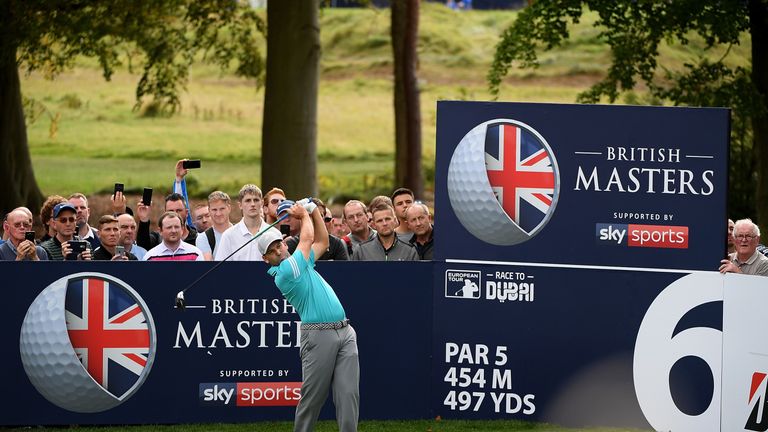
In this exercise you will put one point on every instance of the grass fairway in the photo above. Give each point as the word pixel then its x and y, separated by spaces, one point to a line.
pixel 365 426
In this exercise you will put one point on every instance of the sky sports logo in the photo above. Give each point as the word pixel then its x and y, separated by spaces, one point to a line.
pixel 649 236
pixel 250 394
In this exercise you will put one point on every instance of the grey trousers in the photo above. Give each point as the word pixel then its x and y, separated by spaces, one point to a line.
pixel 329 357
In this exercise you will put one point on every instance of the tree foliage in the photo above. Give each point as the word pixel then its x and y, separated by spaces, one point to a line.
pixel 634 31
pixel 164 37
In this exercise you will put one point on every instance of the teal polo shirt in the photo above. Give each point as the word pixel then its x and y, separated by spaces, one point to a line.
pixel 307 291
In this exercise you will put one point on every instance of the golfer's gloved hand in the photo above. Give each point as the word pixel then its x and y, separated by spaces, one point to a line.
pixel 284 206
pixel 308 205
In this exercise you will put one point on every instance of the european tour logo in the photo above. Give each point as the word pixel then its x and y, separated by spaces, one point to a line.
pixel 462 284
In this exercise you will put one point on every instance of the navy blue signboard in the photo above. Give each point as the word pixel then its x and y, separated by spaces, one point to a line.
pixel 558 344
pixel 582 184
pixel 565 224
pixel 102 342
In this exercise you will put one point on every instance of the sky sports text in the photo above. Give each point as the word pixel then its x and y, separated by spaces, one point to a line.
pixel 650 236
pixel 250 394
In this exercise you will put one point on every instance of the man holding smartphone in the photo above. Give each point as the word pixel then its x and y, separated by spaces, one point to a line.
pixel 180 184
pixel 109 234
pixel 63 246
pixel 80 203
pixel 127 225
pixel 21 241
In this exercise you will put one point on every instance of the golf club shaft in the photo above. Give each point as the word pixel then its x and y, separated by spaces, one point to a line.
pixel 236 251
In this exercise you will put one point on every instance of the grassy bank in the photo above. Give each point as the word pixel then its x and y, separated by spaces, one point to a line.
pixel 84 134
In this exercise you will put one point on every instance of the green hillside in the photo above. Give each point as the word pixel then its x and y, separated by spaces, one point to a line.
pixel 84 135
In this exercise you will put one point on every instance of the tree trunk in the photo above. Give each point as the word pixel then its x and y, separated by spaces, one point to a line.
pixel 17 179
pixel 758 14
pixel 289 130
pixel 405 31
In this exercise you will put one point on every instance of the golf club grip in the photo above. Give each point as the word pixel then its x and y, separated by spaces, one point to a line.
pixel 236 251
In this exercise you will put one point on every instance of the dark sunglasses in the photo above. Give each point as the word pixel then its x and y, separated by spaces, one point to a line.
pixel 67 219
pixel 275 201
pixel 327 219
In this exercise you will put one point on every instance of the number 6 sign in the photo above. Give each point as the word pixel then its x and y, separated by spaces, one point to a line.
pixel 658 349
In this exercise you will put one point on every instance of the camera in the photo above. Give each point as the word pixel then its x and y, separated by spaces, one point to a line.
pixel 29 235
pixel 120 250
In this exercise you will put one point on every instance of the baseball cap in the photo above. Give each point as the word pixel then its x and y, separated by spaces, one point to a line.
pixel 284 206
pixel 270 236
pixel 61 207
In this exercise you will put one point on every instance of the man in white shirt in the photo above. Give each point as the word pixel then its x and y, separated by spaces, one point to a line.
pixel 172 248
pixel 220 207
pixel 250 203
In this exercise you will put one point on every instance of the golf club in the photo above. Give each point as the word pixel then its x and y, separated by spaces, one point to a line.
pixel 181 302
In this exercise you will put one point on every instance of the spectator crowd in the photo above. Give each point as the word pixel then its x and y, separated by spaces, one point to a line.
pixel 389 228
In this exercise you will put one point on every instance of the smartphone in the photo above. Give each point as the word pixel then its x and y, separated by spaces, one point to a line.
pixel 77 246
pixel 190 164
pixel 147 197
pixel 120 250
pixel 29 235
pixel 119 187
pixel 285 230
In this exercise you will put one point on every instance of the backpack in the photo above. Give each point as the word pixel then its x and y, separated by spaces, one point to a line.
pixel 211 238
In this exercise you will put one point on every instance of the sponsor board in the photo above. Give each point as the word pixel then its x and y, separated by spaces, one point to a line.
pixel 237 333
pixel 524 182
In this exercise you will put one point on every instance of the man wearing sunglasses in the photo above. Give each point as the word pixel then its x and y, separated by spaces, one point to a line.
pixel 272 199
pixel 746 259
pixel 18 247
pixel 61 246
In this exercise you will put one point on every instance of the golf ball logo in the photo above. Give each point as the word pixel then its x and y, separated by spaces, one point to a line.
pixel 87 342
pixel 503 182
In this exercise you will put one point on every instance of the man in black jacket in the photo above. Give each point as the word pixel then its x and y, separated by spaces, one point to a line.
pixel 337 250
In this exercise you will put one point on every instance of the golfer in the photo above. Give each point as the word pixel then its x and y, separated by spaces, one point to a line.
pixel 328 342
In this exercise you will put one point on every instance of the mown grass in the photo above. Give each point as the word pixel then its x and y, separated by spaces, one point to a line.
pixel 98 138
pixel 365 426
pixel 67 174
